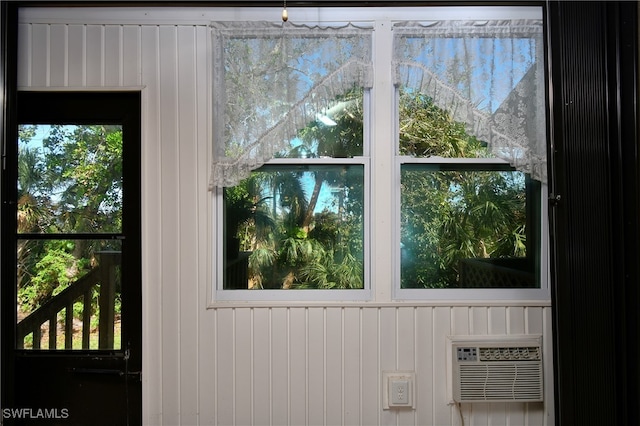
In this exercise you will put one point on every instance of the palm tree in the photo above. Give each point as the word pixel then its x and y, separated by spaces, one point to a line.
pixel 308 248
pixel 33 210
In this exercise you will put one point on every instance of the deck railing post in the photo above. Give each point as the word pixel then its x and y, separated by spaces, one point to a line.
pixel 86 318
pixel 108 262
pixel 68 326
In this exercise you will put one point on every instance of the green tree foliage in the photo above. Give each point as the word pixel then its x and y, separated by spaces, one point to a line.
pixel 446 215
pixel 426 130
pixel 458 215
pixel 451 215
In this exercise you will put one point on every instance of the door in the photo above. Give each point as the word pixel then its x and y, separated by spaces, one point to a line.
pixel 71 261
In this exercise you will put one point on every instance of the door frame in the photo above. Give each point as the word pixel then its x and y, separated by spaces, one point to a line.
pixel 83 107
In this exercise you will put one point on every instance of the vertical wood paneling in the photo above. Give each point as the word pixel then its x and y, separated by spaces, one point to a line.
pixel 76 64
pixel 224 361
pixel 371 366
pixel 94 54
pixel 497 320
pixel 441 329
pixel 205 355
pixel 243 366
pixel 298 367
pixel 206 383
pixel 405 330
pixel 262 373
pixel 131 63
pixel 113 55
pixel 406 353
pixel 170 207
pixel 187 102
pixel 280 393
pixel 58 52
pixel 460 321
pixel 479 321
pixel 388 350
pixel 352 366
pixel 334 365
pixel 316 367
pixel 24 54
pixel 516 320
pixel 424 366
pixel 152 225
pixel 534 318
pixel 39 57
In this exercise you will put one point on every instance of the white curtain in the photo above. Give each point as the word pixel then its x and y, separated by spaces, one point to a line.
pixel 486 74
pixel 271 80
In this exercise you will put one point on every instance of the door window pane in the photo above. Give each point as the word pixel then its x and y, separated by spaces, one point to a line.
pixel 69 187
pixel 69 178
pixel 69 294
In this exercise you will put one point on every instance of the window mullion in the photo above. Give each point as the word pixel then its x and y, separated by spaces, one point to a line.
pixel 382 169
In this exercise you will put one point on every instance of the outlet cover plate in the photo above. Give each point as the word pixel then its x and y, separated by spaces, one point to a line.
pixel 398 390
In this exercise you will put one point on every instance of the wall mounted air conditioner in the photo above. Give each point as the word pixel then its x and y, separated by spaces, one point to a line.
pixel 496 368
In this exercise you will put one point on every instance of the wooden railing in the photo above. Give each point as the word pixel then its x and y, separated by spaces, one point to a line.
pixel 104 276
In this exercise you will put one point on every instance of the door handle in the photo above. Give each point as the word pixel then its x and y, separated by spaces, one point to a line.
pixel 106 371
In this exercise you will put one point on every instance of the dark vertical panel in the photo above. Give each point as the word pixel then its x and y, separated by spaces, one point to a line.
pixel 8 133
pixel 623 54
pixel 582 294
pixel 594 248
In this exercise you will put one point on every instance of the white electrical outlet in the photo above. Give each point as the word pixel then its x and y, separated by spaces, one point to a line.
pixel 400 392
pixel 398 389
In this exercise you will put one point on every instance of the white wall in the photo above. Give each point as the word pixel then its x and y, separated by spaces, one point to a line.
pixel 247 364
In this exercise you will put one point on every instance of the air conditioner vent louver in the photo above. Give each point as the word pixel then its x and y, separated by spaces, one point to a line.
pixel 510 354
pixel 497 372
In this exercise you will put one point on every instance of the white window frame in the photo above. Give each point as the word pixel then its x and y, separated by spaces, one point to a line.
pixel 363 294
pixel 291 295
pixel 473 294
pixel 382 174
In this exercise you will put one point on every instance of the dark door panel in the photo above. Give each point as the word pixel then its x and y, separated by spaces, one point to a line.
pixel 71 265
pixel 93 389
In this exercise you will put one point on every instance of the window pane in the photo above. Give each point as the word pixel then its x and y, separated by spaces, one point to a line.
pixel 336 132
pixel 70 179
pixel 466 228
pixel 427 130
pixel 69 294
pixel 295 227
pixel 271 81
pixel 472 89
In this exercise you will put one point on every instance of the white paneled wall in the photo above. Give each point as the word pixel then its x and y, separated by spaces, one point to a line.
pixel 279 365
pixel 322 365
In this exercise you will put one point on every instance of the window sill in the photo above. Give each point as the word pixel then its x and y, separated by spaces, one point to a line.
pixel 451 302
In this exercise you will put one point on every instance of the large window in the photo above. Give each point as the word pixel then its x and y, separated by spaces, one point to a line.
pixel 471 153
pixel 291 167
pixel 317 187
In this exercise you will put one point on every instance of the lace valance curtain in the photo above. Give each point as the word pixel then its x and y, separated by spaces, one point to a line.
pixel 271 80
pixel 488 75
